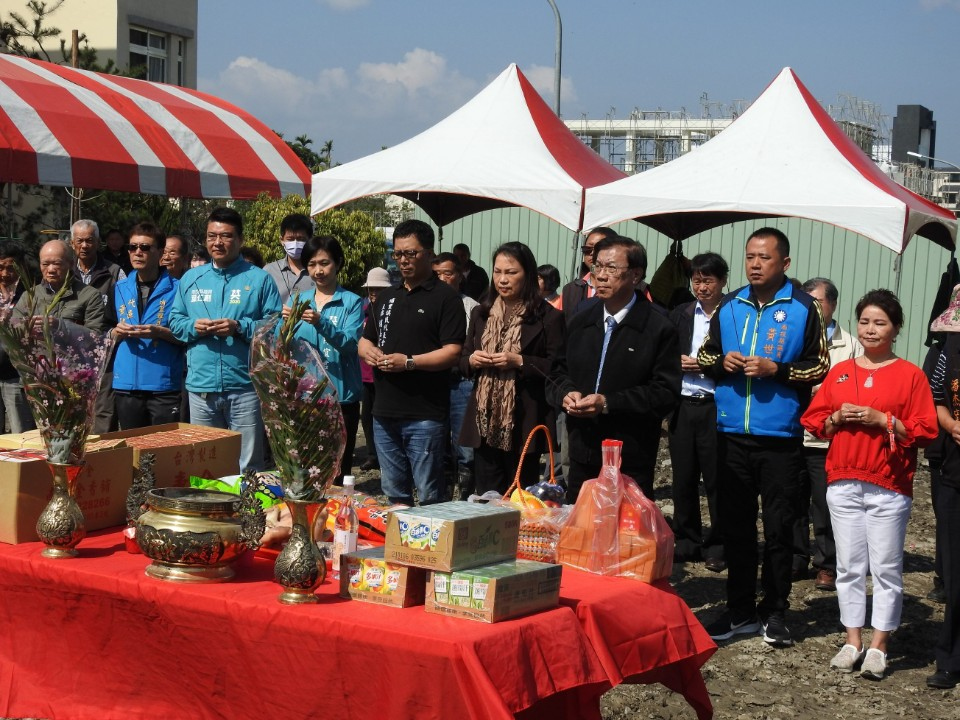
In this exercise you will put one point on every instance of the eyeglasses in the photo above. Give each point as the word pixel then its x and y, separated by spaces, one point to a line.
pixel 408 254
pixel 611 270
pixel 587 249
pixel 142 247
pixel 220 236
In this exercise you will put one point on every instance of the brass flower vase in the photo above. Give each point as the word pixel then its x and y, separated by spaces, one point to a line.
pixel 61 525
pixel 300 568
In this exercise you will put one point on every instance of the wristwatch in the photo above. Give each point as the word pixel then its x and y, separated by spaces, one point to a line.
pixel 411 365
pixel 605 410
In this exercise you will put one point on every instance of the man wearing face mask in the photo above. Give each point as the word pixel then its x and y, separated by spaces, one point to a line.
pixel 288 272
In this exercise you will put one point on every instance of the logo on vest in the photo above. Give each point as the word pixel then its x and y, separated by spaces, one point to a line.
pixel 779 316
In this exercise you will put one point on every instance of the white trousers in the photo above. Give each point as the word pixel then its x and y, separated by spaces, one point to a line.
pixel 869 527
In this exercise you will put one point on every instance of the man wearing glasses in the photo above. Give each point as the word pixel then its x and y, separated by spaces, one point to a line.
pixel 619 375
pixel 411 340
pixel 693 427
pixel 576 291
pixel 288 272
pixel 215 311
pixel 148 368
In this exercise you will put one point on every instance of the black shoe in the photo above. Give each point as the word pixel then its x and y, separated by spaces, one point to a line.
pixel 943 679
pixel 713 564
pixel 937 594
pixel 370 464
pixel 775 631
pixel 725 628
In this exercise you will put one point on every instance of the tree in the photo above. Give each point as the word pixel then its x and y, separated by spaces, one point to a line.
pixel 315 162
pixel 363 244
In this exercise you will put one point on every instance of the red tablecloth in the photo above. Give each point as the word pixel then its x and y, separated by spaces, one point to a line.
pixel 94 637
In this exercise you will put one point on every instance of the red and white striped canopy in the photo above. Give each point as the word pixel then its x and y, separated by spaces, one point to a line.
pixel 67 127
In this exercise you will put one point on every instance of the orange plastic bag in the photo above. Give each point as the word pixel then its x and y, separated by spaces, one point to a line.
pixel 615 529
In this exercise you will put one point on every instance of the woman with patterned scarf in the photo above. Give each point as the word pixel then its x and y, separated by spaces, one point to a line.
pixel 513 338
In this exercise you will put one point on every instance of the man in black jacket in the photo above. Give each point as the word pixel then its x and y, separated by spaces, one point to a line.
pixel 619 376
pixel 95 271
pixel 475 280
pixel 693 427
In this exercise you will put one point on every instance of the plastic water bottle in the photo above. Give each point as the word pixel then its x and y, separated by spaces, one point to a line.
pixel 346 525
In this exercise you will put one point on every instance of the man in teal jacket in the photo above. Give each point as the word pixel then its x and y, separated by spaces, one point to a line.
pixel 215 312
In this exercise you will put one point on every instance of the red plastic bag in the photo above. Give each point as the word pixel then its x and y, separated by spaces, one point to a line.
pixel 615 529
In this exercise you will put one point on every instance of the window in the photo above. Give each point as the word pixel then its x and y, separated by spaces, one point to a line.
pixel 148 55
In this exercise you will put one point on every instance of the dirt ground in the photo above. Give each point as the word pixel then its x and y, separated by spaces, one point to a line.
pixel 749 680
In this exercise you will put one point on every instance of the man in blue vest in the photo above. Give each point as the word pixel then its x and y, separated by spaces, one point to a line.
pixel 148 368
pixel 765 349
pixel 215 312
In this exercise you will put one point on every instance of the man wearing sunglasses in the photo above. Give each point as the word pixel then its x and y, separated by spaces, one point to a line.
pixel 148 369
pixel 411 340
pixel 576 291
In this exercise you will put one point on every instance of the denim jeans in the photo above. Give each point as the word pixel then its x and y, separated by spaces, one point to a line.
pixel 411 451
pixel 15 407
pixel 459 398
pixel 237 410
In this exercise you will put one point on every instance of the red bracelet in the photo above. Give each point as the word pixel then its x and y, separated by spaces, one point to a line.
pixel 890 432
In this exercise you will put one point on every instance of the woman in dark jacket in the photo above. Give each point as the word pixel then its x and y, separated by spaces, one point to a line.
pixel 514 336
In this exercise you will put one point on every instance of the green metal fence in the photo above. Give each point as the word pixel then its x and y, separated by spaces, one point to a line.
pixel 854 263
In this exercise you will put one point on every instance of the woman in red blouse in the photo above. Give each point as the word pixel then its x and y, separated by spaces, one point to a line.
pixel 876 410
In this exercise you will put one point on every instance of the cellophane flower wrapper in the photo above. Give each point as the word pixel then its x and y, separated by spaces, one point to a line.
pixel 615 529
pixel 61 365
pixel 301 410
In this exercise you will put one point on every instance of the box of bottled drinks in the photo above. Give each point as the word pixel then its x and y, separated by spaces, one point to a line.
pixel 366 576
pixel 452 536
pixel 492 593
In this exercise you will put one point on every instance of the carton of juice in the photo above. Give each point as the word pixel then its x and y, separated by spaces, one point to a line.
pixel 374 572
pixel 354 572
pixel 392 581
pixel 418 537
pixel 441 587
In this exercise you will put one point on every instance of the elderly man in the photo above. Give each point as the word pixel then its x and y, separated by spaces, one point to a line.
pixel 765 350
pixel 102 275
pixel 288 272
pixel 148 369
pixel 78 303
pixel 215 312
pixel 813 478
pixel 619 376
pixel 412 339
pixel 176 256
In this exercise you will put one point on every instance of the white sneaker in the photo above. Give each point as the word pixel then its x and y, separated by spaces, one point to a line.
pixel 874 665
pixel 847 659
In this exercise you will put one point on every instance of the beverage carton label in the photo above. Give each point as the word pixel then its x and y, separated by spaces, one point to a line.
pixel 355 573
pixel 373 576
pixel 419 535
pixel 392 581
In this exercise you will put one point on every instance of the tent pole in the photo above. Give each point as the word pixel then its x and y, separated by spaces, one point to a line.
pixel 574 266
pixel 896 274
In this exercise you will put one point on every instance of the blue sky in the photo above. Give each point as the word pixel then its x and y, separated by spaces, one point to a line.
pixel 372 73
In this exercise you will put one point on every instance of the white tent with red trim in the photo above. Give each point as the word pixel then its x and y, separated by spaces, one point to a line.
pixel 67 127
pixel 505 147
pixel 784 157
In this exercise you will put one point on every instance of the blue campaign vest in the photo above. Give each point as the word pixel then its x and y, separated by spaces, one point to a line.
pixel 142 364
pixel 762 406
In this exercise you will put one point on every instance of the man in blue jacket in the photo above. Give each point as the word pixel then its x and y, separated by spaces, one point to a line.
pixel 765 349
pixel 148 366
pixel 215 312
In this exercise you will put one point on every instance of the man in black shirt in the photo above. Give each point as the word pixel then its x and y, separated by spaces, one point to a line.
pixel 413 337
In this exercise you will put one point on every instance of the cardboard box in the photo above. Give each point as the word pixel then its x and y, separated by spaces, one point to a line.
pixel 183 450
pixel 26 485
pixel 452 536
pixel 494 592
pixel 366 576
